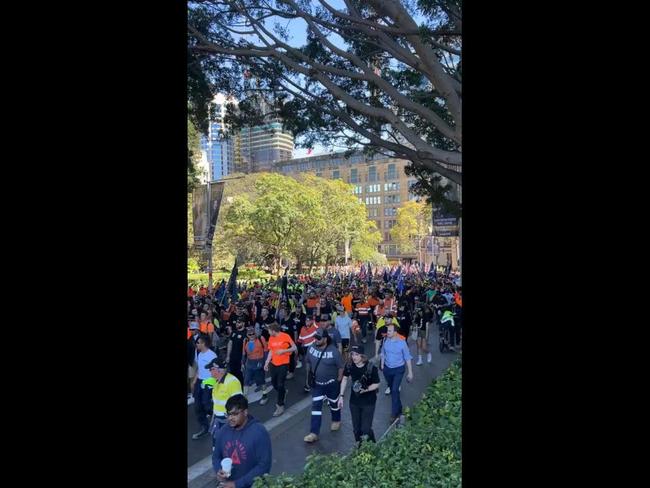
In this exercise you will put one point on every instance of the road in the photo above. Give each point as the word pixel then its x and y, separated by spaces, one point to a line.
pixel 288 430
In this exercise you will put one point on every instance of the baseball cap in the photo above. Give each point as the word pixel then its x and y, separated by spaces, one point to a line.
pixel 216 362
pixel 358 348
pixel 320 333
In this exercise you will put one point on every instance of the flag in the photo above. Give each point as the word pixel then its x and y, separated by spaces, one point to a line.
pixel 400 285
pixel 362 272
pixel 386 277
pixel 232 282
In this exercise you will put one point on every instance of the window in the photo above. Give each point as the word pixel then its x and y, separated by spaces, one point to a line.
pixel 372 173
pixel 373 188
pixel 336 174
pixel 392 199
pixel 391 186
pixel 354 177
pixel 391 172
pixel 390 212
pixel 357 190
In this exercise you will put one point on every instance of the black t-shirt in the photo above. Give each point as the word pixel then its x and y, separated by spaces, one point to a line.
pixel 287 325
pixel 367 375
pixel 237 340
pixel 404 319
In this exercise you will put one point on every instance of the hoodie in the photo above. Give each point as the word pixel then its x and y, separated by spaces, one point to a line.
pixel 249 449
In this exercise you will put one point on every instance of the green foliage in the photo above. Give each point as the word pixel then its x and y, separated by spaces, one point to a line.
pixel 193 155
pixel 413 220
pixel 192 265
pixel 425 453
pixel 244 274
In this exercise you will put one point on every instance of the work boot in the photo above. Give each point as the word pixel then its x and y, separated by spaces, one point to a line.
pixel 336 425
pixel 279 410
pixel 199 434
pixel 311 437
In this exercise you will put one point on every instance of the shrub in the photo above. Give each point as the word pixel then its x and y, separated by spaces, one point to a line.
pixel 425 453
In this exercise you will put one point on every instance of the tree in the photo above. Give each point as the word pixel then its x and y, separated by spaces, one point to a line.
pixel 364 248
pixel 413 221
pixel 193 155
pixel 383 75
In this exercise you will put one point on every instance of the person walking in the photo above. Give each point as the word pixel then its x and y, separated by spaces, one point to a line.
pixel 246 443
pixel 365 382
pixel 326 367
pixel 395 355
pixel 280 348
pixel 224 385
pixel 343 324
pixel 202 392
pixel 305 339
pixel 234 351
pixel 254 350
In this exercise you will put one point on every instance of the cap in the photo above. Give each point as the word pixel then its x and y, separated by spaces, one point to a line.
pixel 194 326
pixel 358 348
pixel 320 333
pixel 219 363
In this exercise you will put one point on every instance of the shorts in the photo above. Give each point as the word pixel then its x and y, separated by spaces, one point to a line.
pixel 191 372
pixel 422 333
pixel 346 344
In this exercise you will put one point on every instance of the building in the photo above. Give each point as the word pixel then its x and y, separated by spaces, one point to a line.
pixel 381 183
pixel 219 149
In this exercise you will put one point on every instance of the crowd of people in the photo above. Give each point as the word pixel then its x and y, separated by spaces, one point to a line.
pixel 326 324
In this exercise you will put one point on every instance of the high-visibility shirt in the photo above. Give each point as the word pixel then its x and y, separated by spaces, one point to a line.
pixel 373 302
pixel 189 333
pixel 363 309
pixel 259 347
pixel 280 341
pixel 346 301
pixel 307 333
pixel 221 391
pixel 313 302
pixel 206 327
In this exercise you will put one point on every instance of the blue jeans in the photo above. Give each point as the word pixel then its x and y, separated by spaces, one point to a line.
pixel 394 379
pixel 320 393
pixel 254 372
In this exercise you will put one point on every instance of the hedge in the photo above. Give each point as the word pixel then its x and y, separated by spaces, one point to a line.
pixel 198 279
pixel 424 453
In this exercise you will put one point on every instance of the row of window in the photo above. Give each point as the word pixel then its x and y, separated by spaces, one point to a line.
pixel 373 200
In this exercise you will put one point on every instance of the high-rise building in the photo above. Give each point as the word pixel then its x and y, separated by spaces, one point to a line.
pixel 381 183
pixel 219 149
pixel 263 145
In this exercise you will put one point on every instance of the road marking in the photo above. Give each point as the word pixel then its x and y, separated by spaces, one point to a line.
pixel 204 465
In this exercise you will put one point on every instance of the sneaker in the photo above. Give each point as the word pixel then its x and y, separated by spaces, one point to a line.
pixel 419 363
pixel 307 389
pixel 428 357
pixel 279 410
pixel 336 425
pixel 264 400
pixel 289 376
pixel 199 434
pixel 387 392
pixel 311 437
pixel 298 365
pixel 364 340
pixel 452 348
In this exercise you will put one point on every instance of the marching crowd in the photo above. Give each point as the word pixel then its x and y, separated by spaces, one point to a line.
pixel 327 325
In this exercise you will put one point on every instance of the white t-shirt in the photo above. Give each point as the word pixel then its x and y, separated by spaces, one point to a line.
pixel 202 359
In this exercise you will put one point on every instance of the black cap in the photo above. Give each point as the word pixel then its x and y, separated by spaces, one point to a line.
pixel 219 363
pixel 320 333
pixel 358 348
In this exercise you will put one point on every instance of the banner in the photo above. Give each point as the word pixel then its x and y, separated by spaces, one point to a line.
pixel 204 230
pixel 200 215
pixel 444 222
pixel 216 193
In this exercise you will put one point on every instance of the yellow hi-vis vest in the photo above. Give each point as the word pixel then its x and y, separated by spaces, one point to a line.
pixel 221 391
